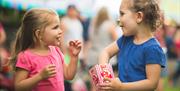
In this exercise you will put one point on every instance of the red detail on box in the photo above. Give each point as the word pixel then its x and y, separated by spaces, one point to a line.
pixel 98 72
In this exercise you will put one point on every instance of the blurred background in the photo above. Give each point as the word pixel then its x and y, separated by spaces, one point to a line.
pixel 88 13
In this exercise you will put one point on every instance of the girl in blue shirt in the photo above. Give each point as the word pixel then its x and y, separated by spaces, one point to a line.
pixel 140 56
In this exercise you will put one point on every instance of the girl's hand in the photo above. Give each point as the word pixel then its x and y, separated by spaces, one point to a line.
pixel 48 71
pixel 110 85
pixel 74 47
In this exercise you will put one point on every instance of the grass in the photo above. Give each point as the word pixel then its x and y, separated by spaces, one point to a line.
pixel 167 87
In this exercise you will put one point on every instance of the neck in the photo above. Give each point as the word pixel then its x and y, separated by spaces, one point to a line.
pixel 143 35
pixel 40 50
pixel 40 46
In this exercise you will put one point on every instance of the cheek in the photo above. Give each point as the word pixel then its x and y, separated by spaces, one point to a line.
pixel 48 38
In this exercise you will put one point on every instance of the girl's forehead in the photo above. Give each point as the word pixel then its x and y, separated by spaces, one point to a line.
pixel 126 4
pixel 54 19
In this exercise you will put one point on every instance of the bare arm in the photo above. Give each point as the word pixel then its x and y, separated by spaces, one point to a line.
pixel 108 52
pixel 2 36
pixel 70 69
pixel 149 84
pixel 22 83
pixel 153 74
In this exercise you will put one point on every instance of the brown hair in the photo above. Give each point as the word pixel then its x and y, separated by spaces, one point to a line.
pixel 25 37
pixel 102 16
pixel 151 11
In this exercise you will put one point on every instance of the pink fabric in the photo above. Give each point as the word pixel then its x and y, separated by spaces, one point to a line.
pixel 34 63
pixel 1 27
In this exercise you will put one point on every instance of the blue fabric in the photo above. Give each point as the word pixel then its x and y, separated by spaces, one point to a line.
pixel 133 58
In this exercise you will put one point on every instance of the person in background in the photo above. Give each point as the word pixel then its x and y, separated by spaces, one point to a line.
pixel 72 29
pixel 102 33
pixel 161 36
pixel 6 76
pixel 174 77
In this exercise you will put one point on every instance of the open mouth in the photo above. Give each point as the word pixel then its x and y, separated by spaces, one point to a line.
pixel 118 22
pixel 58 41
pixel 59 38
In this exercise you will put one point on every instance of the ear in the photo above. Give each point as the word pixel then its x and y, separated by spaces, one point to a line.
pixel 38 34
pixel 139 17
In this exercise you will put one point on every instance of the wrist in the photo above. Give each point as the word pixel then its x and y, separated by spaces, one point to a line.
pixel 74 56
pixel 120 86
pixel 103 62
pixel 39 77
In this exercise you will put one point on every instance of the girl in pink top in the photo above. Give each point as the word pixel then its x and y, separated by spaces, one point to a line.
pixel 39 63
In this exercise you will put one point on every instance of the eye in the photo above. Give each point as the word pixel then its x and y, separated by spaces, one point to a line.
pixel 55 27
pixel 121 13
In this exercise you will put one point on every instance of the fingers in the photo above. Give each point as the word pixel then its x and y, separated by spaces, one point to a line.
pixel 106 79
pixel 104 86
pixel 51 66
pixel 71 43
pixel 51 70
pixel 75 43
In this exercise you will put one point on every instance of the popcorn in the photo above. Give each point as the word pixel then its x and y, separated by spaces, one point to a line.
pixel 98 72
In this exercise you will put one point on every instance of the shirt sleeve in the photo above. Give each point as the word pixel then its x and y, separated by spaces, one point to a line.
pixel 155 55
pixel 23 62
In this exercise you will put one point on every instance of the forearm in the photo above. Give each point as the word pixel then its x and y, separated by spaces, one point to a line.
pixel 104 57
pixel 144 85
pixel 27 84
pixel 108 52
pixel 71 69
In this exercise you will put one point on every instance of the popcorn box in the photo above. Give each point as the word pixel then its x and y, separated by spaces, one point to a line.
pixel 98 72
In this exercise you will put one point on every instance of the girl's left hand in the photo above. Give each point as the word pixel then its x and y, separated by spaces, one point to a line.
pixel 74 47
pixel 110 85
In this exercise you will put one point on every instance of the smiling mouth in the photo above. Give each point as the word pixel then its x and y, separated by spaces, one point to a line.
pixel 119 23
pixel 58 41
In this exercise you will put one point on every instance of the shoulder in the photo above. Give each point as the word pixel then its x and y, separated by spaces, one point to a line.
pixel 152 44
pixel 23 61
pixel 152 47
pixel 154 55
pixel 123 40
pixel 23 54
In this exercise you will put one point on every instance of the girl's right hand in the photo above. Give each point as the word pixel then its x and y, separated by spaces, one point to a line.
pixel 48 71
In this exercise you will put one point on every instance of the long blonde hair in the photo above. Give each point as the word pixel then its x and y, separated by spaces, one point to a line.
pixel 102 16
pixel 37 18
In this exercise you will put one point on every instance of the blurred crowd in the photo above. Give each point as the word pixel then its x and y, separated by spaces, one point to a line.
pixel 95 33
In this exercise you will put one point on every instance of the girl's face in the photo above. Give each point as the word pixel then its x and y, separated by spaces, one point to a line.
pixel 52 33
pixel 127 19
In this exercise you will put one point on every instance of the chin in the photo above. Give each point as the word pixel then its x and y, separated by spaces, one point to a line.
pixel 127 34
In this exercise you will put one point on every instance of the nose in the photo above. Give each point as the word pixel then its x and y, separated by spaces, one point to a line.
pixel 119 23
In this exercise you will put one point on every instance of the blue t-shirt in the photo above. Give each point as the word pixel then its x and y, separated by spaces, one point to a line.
pixel 133 58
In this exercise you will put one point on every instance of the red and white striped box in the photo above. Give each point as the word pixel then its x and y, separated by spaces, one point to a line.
pixel 98 72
